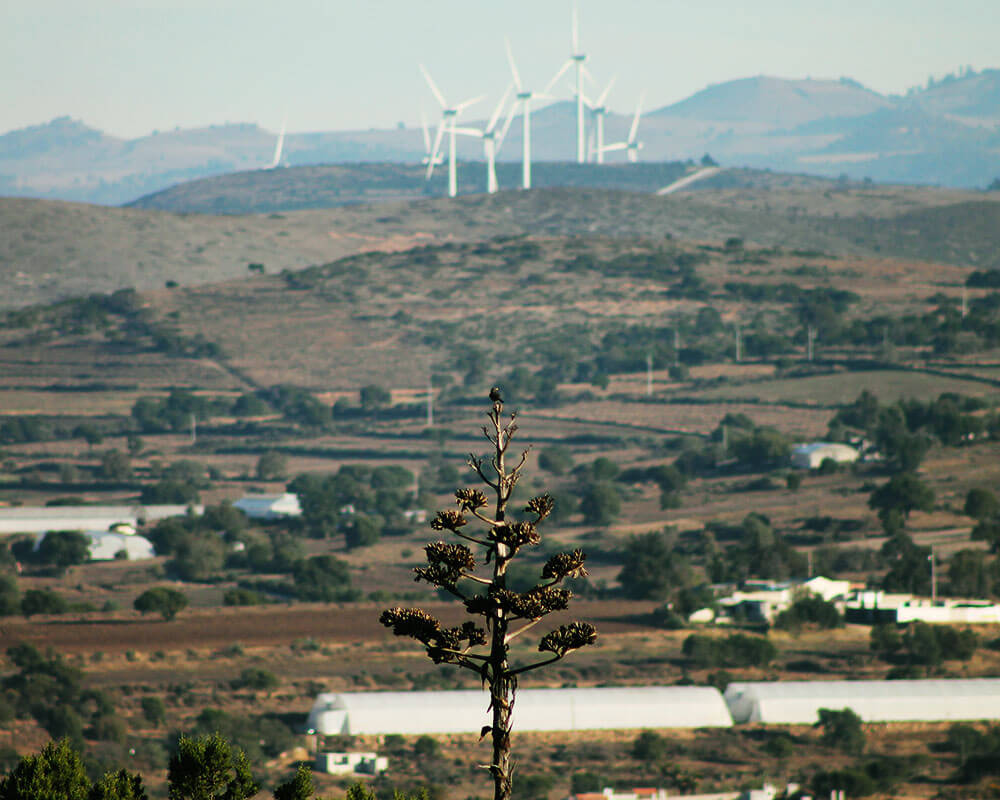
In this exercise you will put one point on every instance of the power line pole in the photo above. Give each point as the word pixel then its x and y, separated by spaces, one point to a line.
pixel 194 429
pixel 965 302
pixel 739 345
pixel 677 347
pixel 649 374
pixel 810 338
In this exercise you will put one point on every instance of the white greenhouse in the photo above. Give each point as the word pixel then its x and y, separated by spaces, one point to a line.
pixel 812 456
pixel 360 713
pixel 269 506
pixel 799 702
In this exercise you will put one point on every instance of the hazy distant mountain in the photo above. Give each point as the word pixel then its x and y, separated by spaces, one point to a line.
pixel 776 102
pixel 945 132
pixel 970 96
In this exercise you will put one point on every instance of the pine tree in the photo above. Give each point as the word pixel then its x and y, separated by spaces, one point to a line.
pixel 506 614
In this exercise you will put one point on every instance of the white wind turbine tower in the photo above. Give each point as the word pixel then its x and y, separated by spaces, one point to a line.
pixel 576 58
pixel 491 141
pixel 449 114
pixel 631 146
pixel 599 109
pixel 524 97
pixel 279 145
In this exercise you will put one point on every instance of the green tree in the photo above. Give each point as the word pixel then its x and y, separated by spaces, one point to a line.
pixel 842 729
pixel 652 568
pixel 209 768
pixel 300 787
pixel 272 466
pixel 508 614
pixel 120 785
pixel 811 609
pixel 161 600
pixel 154 711
pixel 115 466
pixel 10 596
pixel 361 531
pixel 600 503
pixel 324 578
pixel 56 773
pixel 374 397
pixel 43 601
pixel 649 747
pixel 257 679
pixel 981 504
pixel 63 549
pixel 902 494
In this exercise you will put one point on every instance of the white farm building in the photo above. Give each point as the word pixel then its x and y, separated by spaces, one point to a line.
pixel 799 702
pixel 269 506
pixel 34 519
pixel 811 456
pixel 360 713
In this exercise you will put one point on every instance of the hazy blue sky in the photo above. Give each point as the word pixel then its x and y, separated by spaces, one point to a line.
pixel 132 66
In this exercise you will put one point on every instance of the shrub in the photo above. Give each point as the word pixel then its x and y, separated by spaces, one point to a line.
pixel 161 600
pixel 809 610
pixel 842 730
pixel 736 650
pixel 43 601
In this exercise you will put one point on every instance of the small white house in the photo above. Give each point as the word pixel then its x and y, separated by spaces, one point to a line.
pixel 269 506
pixel 812 455
pixel 349 763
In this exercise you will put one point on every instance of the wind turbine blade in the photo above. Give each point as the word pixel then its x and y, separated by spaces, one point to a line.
pixel 576 31
pixel 434 152
pixel 427 135
pixel 464 105
pixel 635 120
pixel 498 110
pixel 279 145
pixel 607 90
pixel 513 66
pixel 434 89
pixel 610 148
pixel 469 132
pixel 557 76
pixel 506 125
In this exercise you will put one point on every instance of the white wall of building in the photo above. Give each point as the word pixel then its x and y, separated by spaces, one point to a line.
pixel 355 713
pixel 799 702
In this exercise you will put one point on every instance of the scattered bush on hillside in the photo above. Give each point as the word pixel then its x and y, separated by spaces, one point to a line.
pixel 734 651
pixel 161 600
pixel 841 730
pixel 810 610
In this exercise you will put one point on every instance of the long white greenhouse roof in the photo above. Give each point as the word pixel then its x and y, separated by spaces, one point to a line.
pixel 799 702
pixel 465 711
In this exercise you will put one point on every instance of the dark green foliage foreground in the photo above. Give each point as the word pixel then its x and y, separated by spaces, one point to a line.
pixel 202 768
pixel 57 773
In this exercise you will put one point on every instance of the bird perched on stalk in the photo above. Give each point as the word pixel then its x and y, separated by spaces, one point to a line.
pixel 495 395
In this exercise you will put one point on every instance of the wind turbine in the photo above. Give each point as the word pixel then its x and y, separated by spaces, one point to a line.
pixel 491 141
pixel 599 109
pixel 427 143
pixel 576 58
pixel 631 146
pixel 279 145
pixel 524 97
pixel 449 114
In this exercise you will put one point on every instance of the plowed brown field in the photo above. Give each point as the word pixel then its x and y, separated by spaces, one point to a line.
pixel 268 626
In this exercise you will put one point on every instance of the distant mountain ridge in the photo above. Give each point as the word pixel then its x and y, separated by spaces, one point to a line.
pixel 947 132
